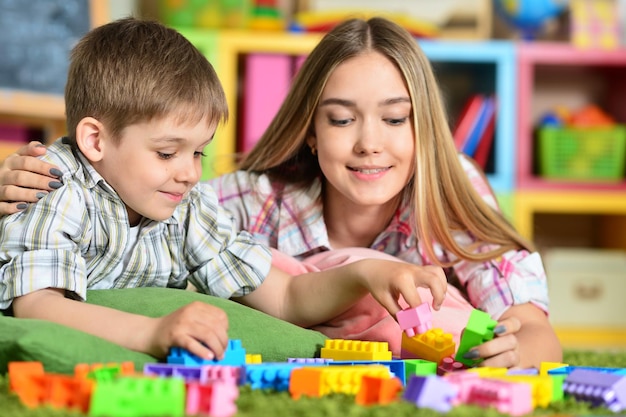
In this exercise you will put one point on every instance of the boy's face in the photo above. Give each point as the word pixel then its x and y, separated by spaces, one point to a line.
pixel 154 165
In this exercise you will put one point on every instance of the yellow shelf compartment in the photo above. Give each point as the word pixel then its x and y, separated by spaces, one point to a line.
pixel 591 337
pixel 232 44
pixel 528 203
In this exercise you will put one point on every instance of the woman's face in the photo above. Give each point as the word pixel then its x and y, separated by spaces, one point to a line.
pixel 364 132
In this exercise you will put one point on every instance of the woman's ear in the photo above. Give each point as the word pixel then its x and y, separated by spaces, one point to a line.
pixel 90 138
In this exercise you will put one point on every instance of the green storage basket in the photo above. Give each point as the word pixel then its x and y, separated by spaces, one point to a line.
pixel 582 154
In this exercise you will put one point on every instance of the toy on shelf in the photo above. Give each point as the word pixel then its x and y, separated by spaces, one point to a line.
pixel 324 21
pixel 583 145
pixel 594 24
pixel 529 16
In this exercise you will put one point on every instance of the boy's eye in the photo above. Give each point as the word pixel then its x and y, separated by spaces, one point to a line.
pixel 165 155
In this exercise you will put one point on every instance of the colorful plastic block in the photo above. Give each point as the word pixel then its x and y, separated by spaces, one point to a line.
pixel 541 387
pixel 216 399
pixel 355 350
pixel 396 366
pixel 323 380
pixel 99 371
pixel 309 361
pixel 253 358
pixel 449 365
pixel 433 345
pixel 430 392
pixel 138 397
pixel 234 355
pixel 419 367
pixel 597 388
pixel 273 376
pixel 507 397
pixel 415 320
pixel 479 330
pixel 377 390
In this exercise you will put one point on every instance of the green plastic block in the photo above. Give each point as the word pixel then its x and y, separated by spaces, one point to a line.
pixel 138 397
pixel 479 330
pixel 420 367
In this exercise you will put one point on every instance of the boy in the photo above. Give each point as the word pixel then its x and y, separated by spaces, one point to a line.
pixel 141 104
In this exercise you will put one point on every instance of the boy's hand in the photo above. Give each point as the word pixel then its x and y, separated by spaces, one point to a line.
pixel 200 328
pixel 23 177
pixel 388 280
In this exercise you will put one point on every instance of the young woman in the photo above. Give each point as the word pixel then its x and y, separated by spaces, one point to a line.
pixel 360 155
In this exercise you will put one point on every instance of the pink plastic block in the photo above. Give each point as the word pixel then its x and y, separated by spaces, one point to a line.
pixel 507 397
pixel 415 320
pixel 216 399
pixel 266 81
pixel 463 381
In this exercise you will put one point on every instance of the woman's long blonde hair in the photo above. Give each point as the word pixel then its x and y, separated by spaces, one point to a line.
pixel 444 200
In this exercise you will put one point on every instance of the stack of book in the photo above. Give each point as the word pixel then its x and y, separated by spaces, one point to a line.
pixel 474 131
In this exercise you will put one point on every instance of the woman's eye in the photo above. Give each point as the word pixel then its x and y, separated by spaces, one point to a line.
pixel 199 154
pixel 396 122
pixel 165 155
pixel 341 122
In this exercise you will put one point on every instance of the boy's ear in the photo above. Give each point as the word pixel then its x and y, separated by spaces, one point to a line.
pixel 90 138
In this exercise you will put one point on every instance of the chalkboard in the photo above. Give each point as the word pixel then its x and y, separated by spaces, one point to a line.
pixel 36 37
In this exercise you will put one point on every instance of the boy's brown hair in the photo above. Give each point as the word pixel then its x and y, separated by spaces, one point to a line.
pixel 130 71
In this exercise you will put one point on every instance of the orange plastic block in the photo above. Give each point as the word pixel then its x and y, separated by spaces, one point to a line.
pixel 355 350
pixel 67 392
pixel 26 381
pixel 323 380
pixel 433 345
pixel 377 390
pixel 87 370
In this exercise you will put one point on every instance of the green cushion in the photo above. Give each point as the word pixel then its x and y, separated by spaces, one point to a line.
pixel 59 348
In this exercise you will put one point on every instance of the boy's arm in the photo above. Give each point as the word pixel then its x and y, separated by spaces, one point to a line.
pixel 316 297
pixel 197 327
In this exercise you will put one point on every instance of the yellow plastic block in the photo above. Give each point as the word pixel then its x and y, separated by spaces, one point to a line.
pixel 253 358
pixel 355 350
pixel 546 366
pixel 318 381
pixel 489 372
pixel 433 345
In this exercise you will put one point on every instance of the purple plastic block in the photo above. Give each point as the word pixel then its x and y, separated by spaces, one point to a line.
pixel 416 320
pixel 597 388
pixel 431 392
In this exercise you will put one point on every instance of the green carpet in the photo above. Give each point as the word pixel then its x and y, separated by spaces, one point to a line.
pixel 259 403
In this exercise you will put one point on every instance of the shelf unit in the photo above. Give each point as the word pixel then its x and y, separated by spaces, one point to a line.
pixel 44 110
pixel 552 74
pixel 487 67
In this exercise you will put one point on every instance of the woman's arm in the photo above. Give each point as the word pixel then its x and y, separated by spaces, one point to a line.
pixel 23 177
pixel 197 327
pixel 317 297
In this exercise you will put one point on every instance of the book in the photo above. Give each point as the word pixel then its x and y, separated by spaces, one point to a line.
pixel 467 119
pixel 485 114
pixel 484 146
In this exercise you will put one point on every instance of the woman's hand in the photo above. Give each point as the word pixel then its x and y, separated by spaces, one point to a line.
pixel 523 339
pixel 388 280
pixel 25 179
